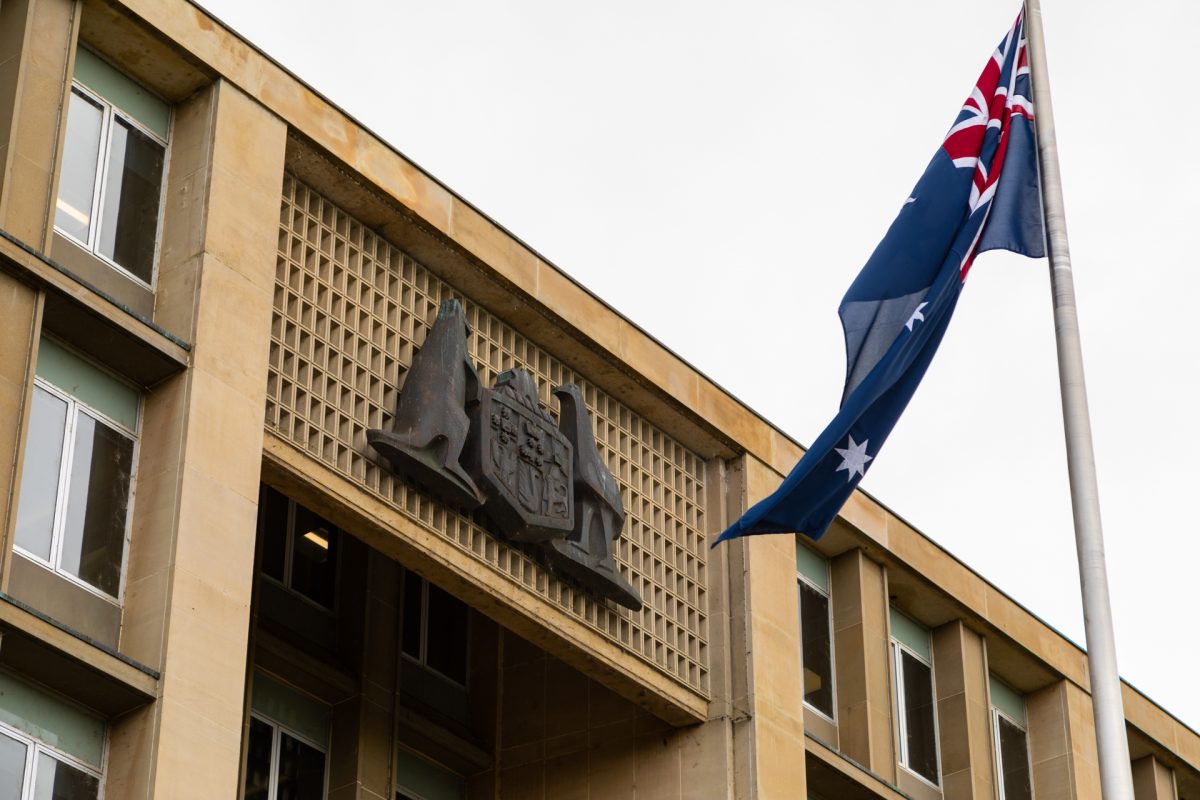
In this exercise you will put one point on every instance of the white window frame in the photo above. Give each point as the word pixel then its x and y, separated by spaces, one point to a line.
pixel 999 759
pixel 278 728
pixel 109 111
pixel 899 648
pixel 289 548
pixel 802 579
pixel 34 748
pixel 75 406
pixel 423 660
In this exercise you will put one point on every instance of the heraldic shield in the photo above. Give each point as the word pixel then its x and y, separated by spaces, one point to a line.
pixel 521 461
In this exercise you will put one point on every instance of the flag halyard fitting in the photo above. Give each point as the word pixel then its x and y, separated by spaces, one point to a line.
pixel 979 192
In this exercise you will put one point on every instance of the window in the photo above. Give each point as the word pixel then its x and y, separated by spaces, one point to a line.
pixel 49 749
pixel 915 714
pixel 287 746
pixel 299 548
pixel 110 189
pixel 1012 745
pixel 812 587
pixel 435 629
pixel 77 481
pixel 419 779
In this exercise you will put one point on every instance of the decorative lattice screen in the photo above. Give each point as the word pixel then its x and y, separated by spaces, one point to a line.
pixel 350 309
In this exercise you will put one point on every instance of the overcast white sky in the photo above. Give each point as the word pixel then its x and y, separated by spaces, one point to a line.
pixel 719 172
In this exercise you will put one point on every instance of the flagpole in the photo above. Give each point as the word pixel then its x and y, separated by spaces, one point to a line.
pixel 1116 779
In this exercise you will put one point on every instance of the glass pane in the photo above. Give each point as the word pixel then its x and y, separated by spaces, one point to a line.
pixel 58 781
pixel 919 733
pixel 301 770
pixel 1014 762
pixel 133 183
pixel 410 634
pixel 97 504
pixel 77 183
pixel 39 476
pixel 818 666
pixel 446 638
pixel 258 761
pixel 12 768
pixel 314 557
pixel 274 533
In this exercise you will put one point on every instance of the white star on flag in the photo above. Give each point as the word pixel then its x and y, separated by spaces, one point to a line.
pixel 916 317
pixel 854 458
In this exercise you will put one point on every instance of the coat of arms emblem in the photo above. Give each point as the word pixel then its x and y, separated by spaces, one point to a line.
pixel 537 481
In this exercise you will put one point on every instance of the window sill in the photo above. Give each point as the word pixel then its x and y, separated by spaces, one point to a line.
pixel 68 662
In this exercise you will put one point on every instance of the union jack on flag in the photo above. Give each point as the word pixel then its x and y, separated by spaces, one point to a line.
pixel 980 192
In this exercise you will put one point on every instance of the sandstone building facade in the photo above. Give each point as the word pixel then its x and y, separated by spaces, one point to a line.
pixel 212 285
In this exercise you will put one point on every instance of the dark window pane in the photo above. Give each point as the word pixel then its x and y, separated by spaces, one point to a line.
pixel 59 781
pixel 919 733
pixel 129 218
pixel 77 182
pixel 274 533
pixel 97 504
pixel 818 667
pixel 301 770
pixel 446 640
pixel 258 761
pixel 39 476
pixel 314 557
pixel 410 634
pixel 1014 762
pixel 12 768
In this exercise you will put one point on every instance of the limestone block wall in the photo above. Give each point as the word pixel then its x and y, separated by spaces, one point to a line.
pixel 562 736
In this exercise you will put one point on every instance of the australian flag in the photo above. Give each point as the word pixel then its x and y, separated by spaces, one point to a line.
pixel 980 192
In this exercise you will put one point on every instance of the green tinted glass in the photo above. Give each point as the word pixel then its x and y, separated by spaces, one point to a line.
pixel 1007 700
pixel 912 635
pixel 51 720
pixel 813 567
pixel 88 383
pixel 291 709
pixel 98 75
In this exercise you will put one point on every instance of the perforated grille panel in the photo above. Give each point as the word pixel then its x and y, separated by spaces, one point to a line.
pixel 351 309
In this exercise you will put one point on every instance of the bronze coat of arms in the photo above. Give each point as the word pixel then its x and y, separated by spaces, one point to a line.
pixel 538 482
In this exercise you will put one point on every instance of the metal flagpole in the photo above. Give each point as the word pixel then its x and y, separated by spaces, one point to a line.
pixel 1116 779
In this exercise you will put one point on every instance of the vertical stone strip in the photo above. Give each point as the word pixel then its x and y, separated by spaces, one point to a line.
pixel 1153 780
pixel 194 528
pixel 964 722
pixel 1062 743
pixel 37 49
pixel 363 725
pixel 860 639
pixel 777 694
pixel 20 306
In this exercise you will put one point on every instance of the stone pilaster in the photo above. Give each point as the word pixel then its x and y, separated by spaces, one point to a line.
pixel 192 550
pixel 1062 743
pixel 860 638
pixel 964 722
pixel 37 49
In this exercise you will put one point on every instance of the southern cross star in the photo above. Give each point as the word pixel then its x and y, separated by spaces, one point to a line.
pixel 916 317
pixel 854 458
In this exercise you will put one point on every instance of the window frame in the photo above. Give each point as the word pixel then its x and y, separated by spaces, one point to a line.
pixel 899 648
pixel 277 729
pixel 998 759
pixel 35 747
pixel 75 406
pixel 289 547
pixel 422 662
pixel 110 111
pixel 801 578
